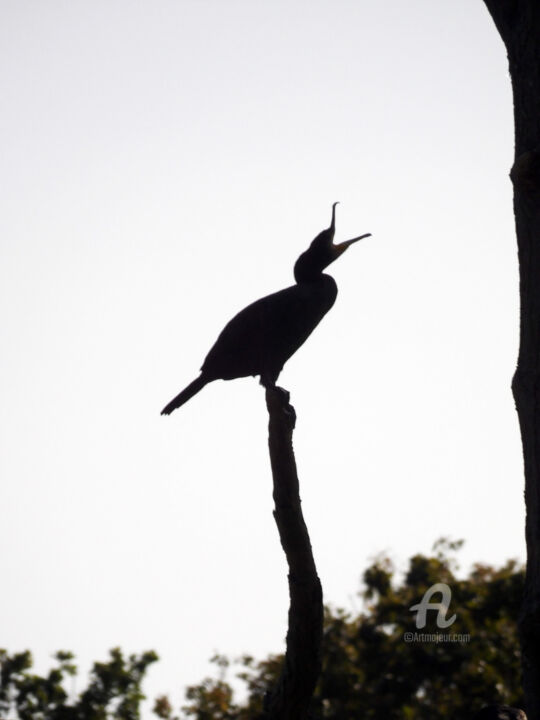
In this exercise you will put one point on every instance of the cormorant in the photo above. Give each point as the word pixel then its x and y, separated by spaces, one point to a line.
pixel 264 335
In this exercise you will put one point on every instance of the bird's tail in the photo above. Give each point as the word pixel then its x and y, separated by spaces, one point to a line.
pixel 185 395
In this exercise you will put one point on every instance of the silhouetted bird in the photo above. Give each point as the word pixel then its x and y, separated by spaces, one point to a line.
pixel 264 335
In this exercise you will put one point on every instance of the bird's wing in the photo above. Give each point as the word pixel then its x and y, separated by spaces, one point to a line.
pixel 263 336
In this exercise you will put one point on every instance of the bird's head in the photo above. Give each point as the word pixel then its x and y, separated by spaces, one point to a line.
pixel 322 252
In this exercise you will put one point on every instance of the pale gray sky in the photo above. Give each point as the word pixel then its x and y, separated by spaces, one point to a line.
pixel 163 165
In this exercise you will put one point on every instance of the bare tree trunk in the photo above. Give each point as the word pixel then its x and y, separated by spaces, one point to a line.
pixel 518 22
pixel 291 698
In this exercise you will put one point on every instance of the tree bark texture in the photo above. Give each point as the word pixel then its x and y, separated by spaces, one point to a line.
pixel 518 22
pixel 291 698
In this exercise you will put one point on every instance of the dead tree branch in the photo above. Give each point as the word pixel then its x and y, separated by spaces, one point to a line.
pixel 291 698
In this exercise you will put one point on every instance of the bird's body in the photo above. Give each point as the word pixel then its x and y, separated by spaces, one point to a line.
pixel 263 336
pixel 269 331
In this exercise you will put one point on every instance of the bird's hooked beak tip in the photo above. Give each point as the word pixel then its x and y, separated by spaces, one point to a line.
pixel 333 223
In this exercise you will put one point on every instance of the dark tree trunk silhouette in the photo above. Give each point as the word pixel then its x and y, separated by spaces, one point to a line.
pixel 518 22
pixel 291 698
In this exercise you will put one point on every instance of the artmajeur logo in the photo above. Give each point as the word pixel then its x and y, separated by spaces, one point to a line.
pixel 441 608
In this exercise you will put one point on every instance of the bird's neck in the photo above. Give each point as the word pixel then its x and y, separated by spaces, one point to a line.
pixel 307 271
pixel 320 280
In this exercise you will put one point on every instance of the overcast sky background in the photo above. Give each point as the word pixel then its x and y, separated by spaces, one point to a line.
pixel 163 165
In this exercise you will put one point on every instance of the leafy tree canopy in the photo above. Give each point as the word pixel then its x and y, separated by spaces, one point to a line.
pixel 114 688
pixel 378 664
pixel 373 670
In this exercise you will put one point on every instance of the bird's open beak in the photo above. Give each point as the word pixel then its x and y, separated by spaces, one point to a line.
pixel 341 247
